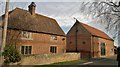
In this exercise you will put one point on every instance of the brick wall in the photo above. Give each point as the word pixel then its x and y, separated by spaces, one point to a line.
pixel 87 45
pixel 40 42
pixel 83 41
pixel 109 46
pixel 42 59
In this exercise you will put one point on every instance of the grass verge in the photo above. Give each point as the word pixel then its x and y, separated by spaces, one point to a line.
pixel 69 62
pixel 74 62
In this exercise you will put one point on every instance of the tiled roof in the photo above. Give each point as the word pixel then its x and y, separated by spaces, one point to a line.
pixel 23 20
pixel 95 32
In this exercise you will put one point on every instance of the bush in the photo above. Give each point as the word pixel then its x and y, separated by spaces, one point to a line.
pixel 11 55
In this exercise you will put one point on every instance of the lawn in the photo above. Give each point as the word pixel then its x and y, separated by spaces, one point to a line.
pixel 69 62
pixel 59 64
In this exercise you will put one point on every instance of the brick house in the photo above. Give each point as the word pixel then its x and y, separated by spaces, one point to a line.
pixel 89 41
pixel 32 33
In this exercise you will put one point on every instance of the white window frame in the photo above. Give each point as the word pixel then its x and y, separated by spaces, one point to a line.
pixel 25 49
pixel 54 37
pixel 53 49
pixel 28 35
pixel 105 48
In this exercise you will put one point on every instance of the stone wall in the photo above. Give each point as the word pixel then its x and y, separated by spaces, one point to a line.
pixel 42 59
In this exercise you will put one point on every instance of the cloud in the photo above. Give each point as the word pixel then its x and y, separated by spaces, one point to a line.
pixel 55 0
pixel 63 12
pixel 48 0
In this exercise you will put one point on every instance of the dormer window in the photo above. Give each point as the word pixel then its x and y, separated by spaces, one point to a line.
pixel 26 35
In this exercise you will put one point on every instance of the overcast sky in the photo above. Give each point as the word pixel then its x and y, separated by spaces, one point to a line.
pixel 63 11
pixel 51 0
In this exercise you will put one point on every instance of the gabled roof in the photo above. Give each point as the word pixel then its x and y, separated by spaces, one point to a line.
pixel 95 32
pixel 23 20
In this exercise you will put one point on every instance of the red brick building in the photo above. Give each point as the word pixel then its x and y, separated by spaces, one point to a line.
pixel 90 42
pixel 33 33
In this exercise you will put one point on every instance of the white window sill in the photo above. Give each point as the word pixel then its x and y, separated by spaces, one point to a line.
pixel 27 38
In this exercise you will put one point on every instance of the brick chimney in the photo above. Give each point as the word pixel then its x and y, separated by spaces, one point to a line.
pixel 31 8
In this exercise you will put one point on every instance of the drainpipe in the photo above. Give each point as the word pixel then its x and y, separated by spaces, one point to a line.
pixel 76 34
pixel 76 38
pixel 93 43
pixel 91 48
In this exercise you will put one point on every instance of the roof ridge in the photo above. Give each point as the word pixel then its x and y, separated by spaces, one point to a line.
pixel 35 13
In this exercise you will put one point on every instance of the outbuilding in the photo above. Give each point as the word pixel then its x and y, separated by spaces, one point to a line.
pixel 89 41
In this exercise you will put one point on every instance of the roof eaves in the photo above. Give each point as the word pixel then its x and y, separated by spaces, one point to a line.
pixel 37 32
pixel 103 37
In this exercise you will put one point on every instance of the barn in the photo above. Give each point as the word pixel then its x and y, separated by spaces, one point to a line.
pixel 89 41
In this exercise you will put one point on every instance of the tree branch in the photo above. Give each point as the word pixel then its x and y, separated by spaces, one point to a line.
pixel 115 10
pixel 107 13
pixel 115 4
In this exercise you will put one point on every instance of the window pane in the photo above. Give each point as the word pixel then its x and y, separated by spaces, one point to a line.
pixel 26 34
pixel 26 50
pixel 54 49
pixel 30 35
pixel 22 50
pixel 51 49
pixel 53 37
pixel 30 49
pixel 102 48
pixel 23 34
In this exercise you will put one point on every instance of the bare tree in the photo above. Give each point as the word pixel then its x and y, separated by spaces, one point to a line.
pixel 107 12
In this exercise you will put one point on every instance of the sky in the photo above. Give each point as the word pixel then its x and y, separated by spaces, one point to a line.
pixel 51 0
pixel 63 11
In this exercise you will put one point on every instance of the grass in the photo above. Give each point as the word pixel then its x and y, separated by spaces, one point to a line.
pixel 69 62
pixel 63 63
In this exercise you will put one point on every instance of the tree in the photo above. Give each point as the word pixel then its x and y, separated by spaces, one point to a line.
pixel 107 12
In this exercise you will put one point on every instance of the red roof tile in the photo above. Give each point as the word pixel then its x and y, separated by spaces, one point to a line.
pixel 96 32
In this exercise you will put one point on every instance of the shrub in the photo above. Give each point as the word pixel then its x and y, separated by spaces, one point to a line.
pixel 11 55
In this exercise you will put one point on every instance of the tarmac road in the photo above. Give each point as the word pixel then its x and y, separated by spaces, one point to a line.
pixel 101 62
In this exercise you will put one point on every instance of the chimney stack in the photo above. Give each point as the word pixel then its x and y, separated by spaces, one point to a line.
pixel 31 8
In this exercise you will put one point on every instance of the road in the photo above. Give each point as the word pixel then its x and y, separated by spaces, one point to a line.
pixel 101 62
